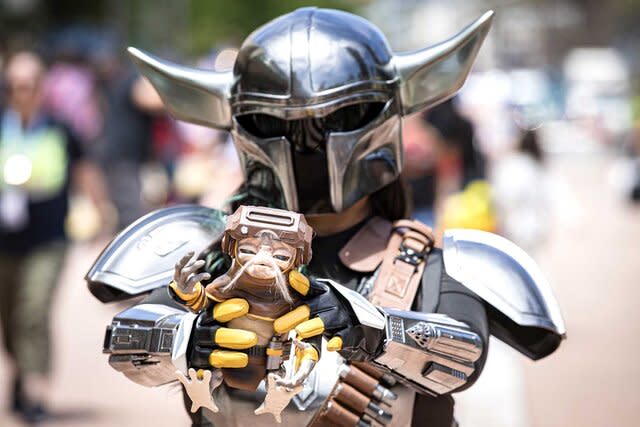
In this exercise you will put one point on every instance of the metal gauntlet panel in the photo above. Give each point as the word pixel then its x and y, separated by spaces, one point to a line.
pixel 148 343
pixel 430 352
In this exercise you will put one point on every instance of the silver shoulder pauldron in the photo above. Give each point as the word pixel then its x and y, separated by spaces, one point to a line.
pixel 525 313
pixel 142 257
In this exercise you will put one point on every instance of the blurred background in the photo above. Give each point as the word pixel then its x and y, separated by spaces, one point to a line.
pixel 542 145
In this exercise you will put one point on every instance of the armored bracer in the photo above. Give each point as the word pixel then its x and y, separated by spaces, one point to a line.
pixel 148 343
pixel 429 352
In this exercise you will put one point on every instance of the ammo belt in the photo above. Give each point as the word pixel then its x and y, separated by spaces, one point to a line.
pixel 362 395
pixel 261 351
pixel 257 350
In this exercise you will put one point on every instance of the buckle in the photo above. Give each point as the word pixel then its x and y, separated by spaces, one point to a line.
pixel 410 256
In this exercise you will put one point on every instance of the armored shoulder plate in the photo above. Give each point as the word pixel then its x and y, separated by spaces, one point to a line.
pixel 142 257
pixel 523 311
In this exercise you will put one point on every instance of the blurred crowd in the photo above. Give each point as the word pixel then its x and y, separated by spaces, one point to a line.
pixel 86 148
pixel 146 158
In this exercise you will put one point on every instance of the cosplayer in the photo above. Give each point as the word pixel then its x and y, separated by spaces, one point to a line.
pixel 315 104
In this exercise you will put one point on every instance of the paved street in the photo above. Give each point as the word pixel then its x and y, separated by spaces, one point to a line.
pixel 86 391
pixel 592 261
pixel 594 266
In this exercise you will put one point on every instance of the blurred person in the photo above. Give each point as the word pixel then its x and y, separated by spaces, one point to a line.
pixel 461 162
pixel 130 103
pixel 462 193
pixel 442 160
pixel 69 90
pixel 39 159
pixel 69 86
pixel 421 146
pixel 522 192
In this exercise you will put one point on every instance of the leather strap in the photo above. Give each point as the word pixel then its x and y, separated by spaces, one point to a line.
pixel 403 264
pixel 396 286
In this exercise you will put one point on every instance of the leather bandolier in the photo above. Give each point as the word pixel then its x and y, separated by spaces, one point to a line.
pixel 364 395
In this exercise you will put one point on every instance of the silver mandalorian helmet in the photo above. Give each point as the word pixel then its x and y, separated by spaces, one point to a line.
pixel 315 100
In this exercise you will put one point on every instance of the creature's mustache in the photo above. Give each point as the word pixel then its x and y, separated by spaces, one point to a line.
pixel 280 279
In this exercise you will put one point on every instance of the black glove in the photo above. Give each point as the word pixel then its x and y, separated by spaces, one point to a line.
pixel 213 344
pixel 331 315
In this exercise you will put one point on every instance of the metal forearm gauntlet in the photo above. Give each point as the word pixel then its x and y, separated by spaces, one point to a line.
pixel 148 343
pixel 430 352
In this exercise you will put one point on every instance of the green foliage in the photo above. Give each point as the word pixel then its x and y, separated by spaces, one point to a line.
pixel 230 21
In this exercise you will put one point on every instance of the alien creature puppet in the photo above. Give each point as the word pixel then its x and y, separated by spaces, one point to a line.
pixel 254 301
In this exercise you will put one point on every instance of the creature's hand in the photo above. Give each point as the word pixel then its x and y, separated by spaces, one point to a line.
pixel 213 344
pixel 306 359
pixel 325 313
pixel 185 276
pixel 198 387
pixel 186 285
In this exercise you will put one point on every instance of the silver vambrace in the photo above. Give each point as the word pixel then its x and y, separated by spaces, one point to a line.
pixel 432 353
pixel 148 343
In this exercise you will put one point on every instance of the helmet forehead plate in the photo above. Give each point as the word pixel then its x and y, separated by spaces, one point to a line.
pixel 312 57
